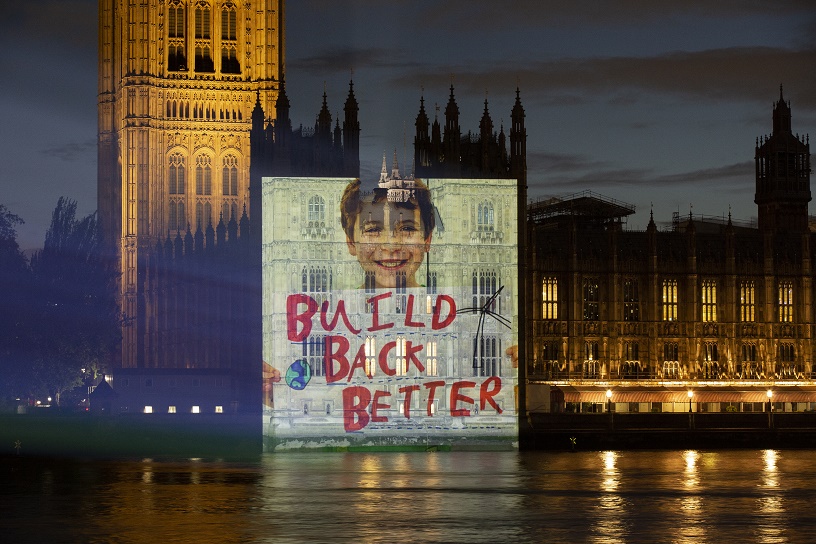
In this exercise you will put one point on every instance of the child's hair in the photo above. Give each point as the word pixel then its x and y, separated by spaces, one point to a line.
pixel 351 205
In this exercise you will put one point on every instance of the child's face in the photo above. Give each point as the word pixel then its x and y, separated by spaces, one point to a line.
pixel 389 241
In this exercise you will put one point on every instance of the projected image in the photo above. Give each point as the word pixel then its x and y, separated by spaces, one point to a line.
pixel 389 312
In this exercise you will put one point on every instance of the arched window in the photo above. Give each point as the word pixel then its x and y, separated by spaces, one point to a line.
pixel 229 41
pixel 313 351
pixel 316 281
pixel 747 301
pixel 484 216
pixel 202 21
pixel 430 359
pixel 669 300
pixel 229 176
pixel 176 220
pixel 487 348
pixel 203 175
pixel 317 210
pixel 785 301
pixel 176 25
pixel 709 301
pixel 203 35
pixel 370 356
pixel 485 284
pixel 400 362
pixel 175 175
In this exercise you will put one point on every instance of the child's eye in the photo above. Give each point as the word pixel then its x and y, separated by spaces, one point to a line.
pixel 372 230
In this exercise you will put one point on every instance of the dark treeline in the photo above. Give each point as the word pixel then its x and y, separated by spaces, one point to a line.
pixel 59 322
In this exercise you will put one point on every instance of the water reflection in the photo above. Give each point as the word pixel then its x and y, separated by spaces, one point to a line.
pixel 770 503
pixel 691 503
pixel 609 526
pixel 689 496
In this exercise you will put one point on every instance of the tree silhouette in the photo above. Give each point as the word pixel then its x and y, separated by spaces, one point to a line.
pixel 75 322
pixel 15 288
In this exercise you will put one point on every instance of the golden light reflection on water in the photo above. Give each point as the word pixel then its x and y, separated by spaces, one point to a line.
pixel 771 505
pixel 608 525
pixel 691 504
pixel 764 496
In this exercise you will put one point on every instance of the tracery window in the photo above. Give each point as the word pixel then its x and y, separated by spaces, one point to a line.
pixel 631 300
pixel 786 365
pixel 591 299
pixel 316 281
pixel 317 211
pixel 484 216
pixel 747 368
pixel 202 21
pixel 671 363
pixel 711 364
pixel 400 361
pixel 313 352
pixel 709 301
pixel 669 300
pixel 631 361
pixel 229 176
pixel 547 362
pixel 203 175
pixel 485 284
pixel 747 301
pixel 175 175
pixel 785 301
pixel 176 33
pixel 487 362
pixel 430 358
pixel 229 36
pixel 591 364
pixel 203 35
pixel 370 356
pixel 549 298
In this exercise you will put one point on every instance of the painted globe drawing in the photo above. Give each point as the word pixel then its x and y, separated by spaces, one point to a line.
pixel 298 375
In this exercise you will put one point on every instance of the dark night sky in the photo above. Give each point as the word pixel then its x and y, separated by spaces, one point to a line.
pixel 653 102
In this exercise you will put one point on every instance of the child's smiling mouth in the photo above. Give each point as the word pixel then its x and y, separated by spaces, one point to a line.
pixel 392 264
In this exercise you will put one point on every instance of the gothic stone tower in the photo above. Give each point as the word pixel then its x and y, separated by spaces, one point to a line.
pixel 782 175
pixel 178 80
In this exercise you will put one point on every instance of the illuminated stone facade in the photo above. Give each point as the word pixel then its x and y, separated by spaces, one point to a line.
pixel 724 309
pixel 178 80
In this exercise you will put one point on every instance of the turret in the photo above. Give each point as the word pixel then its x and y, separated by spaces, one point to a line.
pixel 782 175
pixel 351 135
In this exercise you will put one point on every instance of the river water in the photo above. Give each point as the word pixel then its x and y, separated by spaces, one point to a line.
pixel 632 496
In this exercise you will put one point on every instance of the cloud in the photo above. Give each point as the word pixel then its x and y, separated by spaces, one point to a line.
pixel 729 74
pixel 344 59
pixel 558 177
pixel 488 14
pixel 72 151
pixel 737 172
pixel 59 23
pixel 543 161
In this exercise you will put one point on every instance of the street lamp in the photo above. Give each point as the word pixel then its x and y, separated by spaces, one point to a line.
pixel 609 400
pixel 690 395
pixel 770 409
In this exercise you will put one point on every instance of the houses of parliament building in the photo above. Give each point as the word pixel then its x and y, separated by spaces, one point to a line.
pixel 193 112
pixel 710 310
